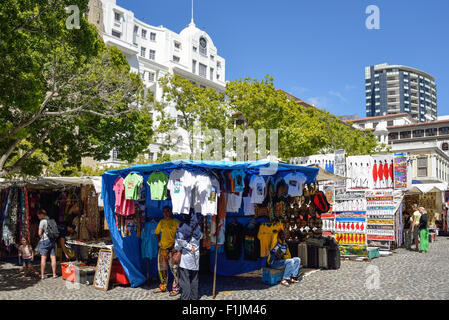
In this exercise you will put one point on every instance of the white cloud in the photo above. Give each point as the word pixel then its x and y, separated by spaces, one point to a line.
pixel 299 90
pixel 338 95
pixel 350 87
pixel 320 102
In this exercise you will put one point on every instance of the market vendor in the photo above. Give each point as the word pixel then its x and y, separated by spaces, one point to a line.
pixel 280 257
pixel 66 232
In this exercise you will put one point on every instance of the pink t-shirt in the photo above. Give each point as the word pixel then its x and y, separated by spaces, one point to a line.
pixel 122 206
pixel 25 251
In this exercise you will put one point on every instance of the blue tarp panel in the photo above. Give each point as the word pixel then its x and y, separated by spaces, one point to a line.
pixel 128 249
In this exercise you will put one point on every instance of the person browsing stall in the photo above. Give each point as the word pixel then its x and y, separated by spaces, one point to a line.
pixel 165 234
pixel 187 240
pixel 280 257
pixel 415 225
pixel 46 244
pixel 27 254
pixel 65 233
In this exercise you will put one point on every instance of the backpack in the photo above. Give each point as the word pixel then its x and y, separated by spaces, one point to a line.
pixel 320 202
pixel 52 229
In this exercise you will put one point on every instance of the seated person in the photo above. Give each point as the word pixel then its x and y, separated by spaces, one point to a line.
pixel 280 257
pixel 66 232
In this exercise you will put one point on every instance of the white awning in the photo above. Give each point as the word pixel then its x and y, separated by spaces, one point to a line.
pixel 426 188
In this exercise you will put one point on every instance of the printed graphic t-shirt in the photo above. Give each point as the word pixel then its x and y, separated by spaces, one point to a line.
pixel 119 190
pixel 180 184
pixel 158 185
pixel 239 182
pixel 294 182
pixel 132 183
pixel 206 194
pixel 257 185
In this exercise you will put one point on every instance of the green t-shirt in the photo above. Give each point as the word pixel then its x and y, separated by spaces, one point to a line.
pixel 132 183
pixel 158 185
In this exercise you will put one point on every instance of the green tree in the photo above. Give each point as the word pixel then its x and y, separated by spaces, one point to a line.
pixel 64 95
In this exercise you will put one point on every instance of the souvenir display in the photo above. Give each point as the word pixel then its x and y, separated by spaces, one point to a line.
pixel 380 215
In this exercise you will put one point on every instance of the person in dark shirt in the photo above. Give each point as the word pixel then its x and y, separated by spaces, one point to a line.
pixel 65 232
pixel 407 231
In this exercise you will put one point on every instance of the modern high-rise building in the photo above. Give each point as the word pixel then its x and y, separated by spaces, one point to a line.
pixel 394 89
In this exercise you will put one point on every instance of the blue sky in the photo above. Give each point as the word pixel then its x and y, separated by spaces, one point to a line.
pixel 316 50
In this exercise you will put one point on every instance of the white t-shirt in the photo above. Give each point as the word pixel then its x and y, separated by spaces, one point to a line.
pixel 294 182
pixel 206 195
pixel 248 207
pixel 257 185
pixel 43 224
pixel 233 202
pixel 180 184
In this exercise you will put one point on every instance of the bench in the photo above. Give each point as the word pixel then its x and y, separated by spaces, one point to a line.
pixel 272 276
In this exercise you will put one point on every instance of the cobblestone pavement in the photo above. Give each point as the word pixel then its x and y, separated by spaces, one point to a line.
pixel 404 275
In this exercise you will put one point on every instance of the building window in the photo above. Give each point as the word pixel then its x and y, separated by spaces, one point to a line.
pixel 176 59
pixel 445 146
pixel 390 123
pixel 179 120
pixel 211 75
pixel 116 34
pixel 152 55
pixel 136 29
pixel 193 66
pixel 218 76
pixel 393 136
pixel 115 155
pixel 212 57
pixel 152 36
pixel 422 167
pixel 144 33
pixel 195 49
pixel 177 45
pixel 405 135
pixel 117 16
pixel 375 124
pixel 444 130
pixel 362 126
pixel 218 65
pixel 431 132
pixel 203 46
pixel 203 70
pixel 143 51
pixel 418 133
pixel 151 76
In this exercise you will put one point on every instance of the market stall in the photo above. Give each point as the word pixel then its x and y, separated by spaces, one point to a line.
pixel 67 200
pixel 251 199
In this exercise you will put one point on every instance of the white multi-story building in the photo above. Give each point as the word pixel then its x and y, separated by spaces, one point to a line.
pixel 155 51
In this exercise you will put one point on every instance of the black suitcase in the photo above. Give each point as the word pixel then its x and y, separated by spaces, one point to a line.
pixel 317 242
pixel 293 247
pixel 322 258
pixel 333 259
pixel 312 257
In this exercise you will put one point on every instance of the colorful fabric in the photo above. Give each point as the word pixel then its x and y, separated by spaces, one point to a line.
pixel 424 240
pixel 132 183
pixel 149 241
pixel 165 261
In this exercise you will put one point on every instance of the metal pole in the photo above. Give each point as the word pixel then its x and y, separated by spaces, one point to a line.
pixel 216 256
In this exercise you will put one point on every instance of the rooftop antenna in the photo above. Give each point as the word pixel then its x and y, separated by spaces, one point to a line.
pixel 191 21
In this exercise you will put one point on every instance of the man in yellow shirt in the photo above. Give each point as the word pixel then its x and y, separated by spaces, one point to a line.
pixel 165 235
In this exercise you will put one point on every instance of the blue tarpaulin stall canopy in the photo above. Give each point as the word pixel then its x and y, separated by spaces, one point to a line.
pixel 128 249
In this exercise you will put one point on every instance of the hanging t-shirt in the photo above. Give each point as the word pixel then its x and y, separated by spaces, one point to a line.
pixel 119 190
pixel 257 185
pixel 233 241
pixel 157 182
pixel 248 207
pixel 149 241
pixel 295 182
pixel 239 182
pixel 266 233
pixel 233 202
pixel 251 244
pixel 132 183
pixel 180 184
pixel 206 194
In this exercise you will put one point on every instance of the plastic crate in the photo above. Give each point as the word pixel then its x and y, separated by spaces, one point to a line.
pixel 68 270
pixel 272 276
pixel 118 275
pixel 85 275
pixel 373 253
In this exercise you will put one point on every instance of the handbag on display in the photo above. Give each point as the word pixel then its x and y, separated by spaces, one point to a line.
pixel 176 258
pixel 320 202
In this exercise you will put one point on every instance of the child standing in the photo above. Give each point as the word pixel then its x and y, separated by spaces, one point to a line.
pixel 27 254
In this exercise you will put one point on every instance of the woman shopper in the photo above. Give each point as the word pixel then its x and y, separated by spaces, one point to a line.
pixel 280 257
pixel 46 244
pixel 423 231
pixel 187 240
pixel 407 231
pixel 415 226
